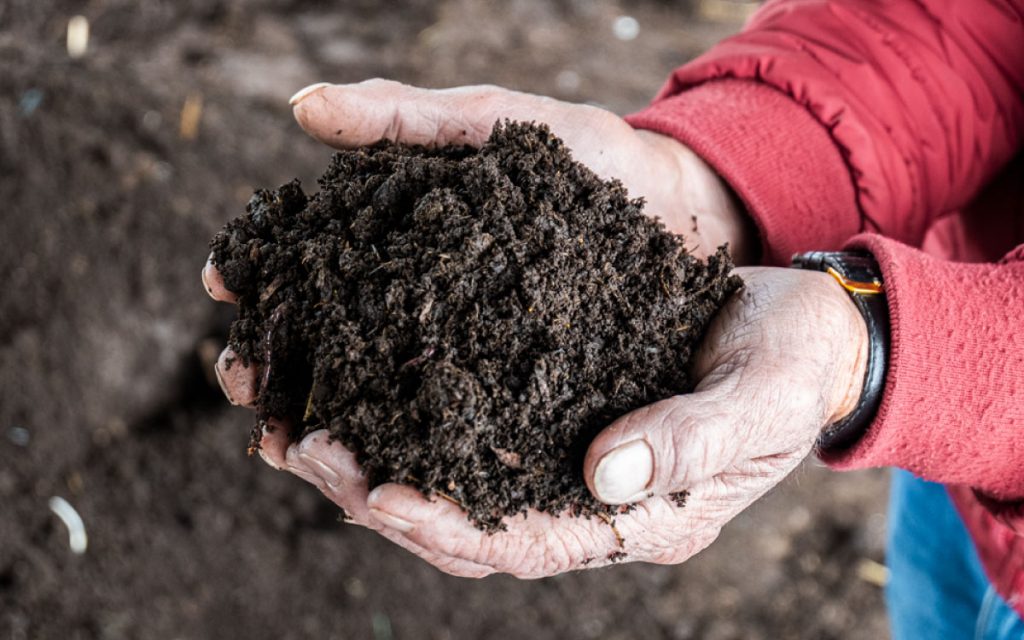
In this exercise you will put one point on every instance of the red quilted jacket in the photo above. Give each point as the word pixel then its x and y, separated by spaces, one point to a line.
pixel 896 127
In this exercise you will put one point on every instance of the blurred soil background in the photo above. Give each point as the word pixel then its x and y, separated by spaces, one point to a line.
pixel 116 167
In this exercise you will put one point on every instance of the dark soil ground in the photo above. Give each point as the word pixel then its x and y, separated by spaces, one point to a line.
pixel 106 342
pixel 465 321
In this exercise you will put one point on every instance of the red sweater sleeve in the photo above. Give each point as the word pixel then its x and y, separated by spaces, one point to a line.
pixel 831 117
pixel 953 407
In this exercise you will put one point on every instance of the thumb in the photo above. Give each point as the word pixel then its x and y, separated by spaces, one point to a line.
pixel 665 447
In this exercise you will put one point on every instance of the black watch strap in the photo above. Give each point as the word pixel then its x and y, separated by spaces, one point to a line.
pixel 860 275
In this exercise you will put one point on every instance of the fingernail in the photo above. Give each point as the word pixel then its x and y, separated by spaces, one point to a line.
pixel 623 474
pixel 220 381
pixel 206 270
pixel 303 93
pixel 391 521
pixel 329 475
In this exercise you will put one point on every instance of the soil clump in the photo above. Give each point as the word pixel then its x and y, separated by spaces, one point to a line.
pixel 466 320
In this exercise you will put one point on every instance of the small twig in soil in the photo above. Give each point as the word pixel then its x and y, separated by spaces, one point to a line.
pixel 664 286
pixel 309 404
pixel 191 114
pixel 510 459
pixel 379 267
pixel 272 288
pixel 699 292
pixel 268 344
pixel 618 385
pixel 424 314
pixel 418 360
pixel 442 494
pixel 611 523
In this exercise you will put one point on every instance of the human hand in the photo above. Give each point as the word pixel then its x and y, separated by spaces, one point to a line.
pixel 679 187
pixel 785 357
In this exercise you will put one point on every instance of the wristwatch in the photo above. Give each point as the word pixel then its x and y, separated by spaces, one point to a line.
pixel 859 274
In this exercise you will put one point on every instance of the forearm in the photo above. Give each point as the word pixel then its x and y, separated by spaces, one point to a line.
pixel 777 158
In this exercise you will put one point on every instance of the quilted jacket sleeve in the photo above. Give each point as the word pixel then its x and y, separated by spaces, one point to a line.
pixel 834 117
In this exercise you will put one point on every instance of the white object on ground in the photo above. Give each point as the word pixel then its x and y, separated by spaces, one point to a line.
pixel 78 36
pixel 76 528
pixel 626 28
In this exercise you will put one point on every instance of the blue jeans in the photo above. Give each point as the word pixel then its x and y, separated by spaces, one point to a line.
pixel 937 589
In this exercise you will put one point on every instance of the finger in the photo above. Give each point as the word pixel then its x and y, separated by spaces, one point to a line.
pixel 748 416
pixel 213 282
pixel 347 116
pixel 665 447
pixel 334 470
pixel 533 545
pixel 331 467
pixel 237 381
pixel 437 526
pixel 274 443
pixel 538 544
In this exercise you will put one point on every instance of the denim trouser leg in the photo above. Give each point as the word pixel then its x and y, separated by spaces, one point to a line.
pixel 937 589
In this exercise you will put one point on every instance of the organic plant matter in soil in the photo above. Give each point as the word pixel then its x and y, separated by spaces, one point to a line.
pixel 466 320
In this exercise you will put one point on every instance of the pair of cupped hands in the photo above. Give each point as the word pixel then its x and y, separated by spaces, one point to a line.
pixel 784 358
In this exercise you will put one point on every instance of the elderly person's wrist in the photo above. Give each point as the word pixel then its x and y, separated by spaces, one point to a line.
pixel 851 357
pixel 862 346
pixel 702 205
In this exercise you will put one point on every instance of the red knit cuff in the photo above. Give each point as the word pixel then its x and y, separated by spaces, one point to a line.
pixel 776 156
pixel 953 407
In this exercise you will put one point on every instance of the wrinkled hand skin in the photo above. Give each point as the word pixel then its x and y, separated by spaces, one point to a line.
pixel 784 358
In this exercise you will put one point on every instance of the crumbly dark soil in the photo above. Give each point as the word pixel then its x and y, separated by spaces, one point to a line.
pixel 466 320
